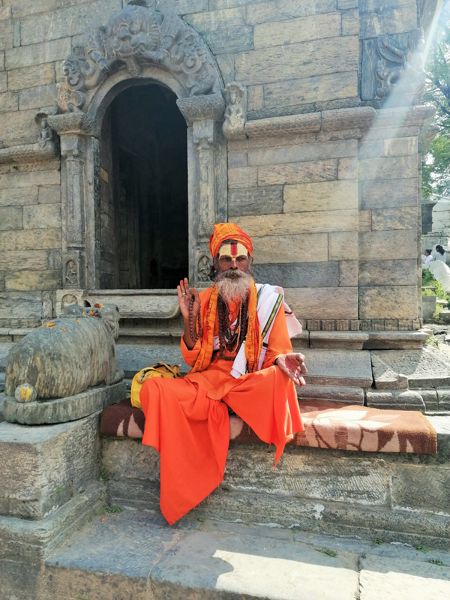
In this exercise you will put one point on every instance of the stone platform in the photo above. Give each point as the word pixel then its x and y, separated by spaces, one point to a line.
pixel 135 555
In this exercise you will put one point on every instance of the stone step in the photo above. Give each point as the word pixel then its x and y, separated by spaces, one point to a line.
pixel 393 496
pixel 135 555
pixel 326 367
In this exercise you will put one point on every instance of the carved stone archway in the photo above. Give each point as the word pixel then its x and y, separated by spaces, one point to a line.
pixel 144 41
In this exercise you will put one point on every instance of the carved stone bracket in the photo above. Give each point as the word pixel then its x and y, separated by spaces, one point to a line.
pixel 141 34
pixel 203 267
pixel 393 63
pixel 202 107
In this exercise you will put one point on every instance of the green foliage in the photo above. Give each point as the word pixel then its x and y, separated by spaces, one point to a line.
pixel 436 164
pixel 433 286
pixel 112 508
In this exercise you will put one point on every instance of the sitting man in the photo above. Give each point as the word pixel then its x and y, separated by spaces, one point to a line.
pixel 236 339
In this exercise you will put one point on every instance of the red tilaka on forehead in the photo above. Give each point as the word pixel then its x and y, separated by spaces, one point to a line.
pixel 233 249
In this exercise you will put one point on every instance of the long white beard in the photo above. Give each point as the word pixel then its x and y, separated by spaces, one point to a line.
pixel 233 285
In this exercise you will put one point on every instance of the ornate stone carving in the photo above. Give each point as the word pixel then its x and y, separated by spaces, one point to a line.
pixel 235 112
pixel 393 62
pixel 203 268
pixel 141 34
pixel 43 149
pixel 203 139
pixel 71 273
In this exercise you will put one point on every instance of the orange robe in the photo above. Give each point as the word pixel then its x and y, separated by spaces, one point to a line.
pixel 187 419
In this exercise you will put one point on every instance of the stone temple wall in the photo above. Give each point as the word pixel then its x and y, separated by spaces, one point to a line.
pixel 326 176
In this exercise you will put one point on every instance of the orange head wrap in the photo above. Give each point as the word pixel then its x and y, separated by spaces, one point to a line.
pixel 228 231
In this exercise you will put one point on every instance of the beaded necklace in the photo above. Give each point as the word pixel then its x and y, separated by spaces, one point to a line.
pixel 195 325
pixel 231 339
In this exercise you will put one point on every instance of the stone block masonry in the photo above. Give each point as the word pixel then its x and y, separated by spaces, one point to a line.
pixel 333 209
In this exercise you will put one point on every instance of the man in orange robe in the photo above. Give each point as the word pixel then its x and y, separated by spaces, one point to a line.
pixel 236 339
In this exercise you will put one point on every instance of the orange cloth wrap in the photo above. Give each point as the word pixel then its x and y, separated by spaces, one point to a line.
pixel 253 342
pixel 228 231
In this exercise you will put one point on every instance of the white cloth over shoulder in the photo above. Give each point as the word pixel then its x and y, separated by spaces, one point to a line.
pixel 270 300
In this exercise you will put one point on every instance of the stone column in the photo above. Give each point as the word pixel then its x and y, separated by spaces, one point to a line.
pixel 207 177
pixel 74 153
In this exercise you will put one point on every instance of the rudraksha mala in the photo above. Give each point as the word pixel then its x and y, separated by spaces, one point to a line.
pixel 195 325
pixel 229 339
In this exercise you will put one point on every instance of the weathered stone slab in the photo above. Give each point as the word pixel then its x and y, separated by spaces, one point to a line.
pixel 388 272
pixel 338 367
pixel 336 393
pixel 254 201
pixel 32 280
pixel 395 340
pixel 19 196
pixel 383 245
pixel 395 218
pixel 385 194
pixel 17 260
pixel 43 467
pixel 426 367
pixel 10 218
pixel 9 101
pixel 293 275
pixel 42 216
pixel 61 410
pixel 224 30
pixel 29 179
pixel 287 9
pixel 297 30
pixel 35 54
pixel 49 194
pixel 38 96
pixel 384 302
pixel 133 357
pixel 25 305
pixel 312 222
pixel 385 377
pixel 343 245
pixel 31 239
pixel 242 177
pixel 402 400
pixel 443 397
pixel 426 489
pixel 324 303
pixel 298 60
pixel 411 580
pixel 28 77
pixel 395 167
pixel 316 88
pixel 66 22
pixel 302 152
pixel 305 172
pixel 401 146
pixel 327 195
pixel 303 248
pixel 347 340
pixel 247 574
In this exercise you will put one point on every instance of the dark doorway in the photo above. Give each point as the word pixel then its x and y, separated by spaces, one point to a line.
pixel 142 219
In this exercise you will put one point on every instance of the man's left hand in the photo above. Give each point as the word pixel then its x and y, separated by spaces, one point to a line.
pixel 293 364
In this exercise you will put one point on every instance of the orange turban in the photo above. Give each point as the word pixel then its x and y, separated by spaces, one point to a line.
pixel 228 231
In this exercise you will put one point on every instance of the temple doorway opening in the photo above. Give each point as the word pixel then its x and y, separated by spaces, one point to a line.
pixel 142 220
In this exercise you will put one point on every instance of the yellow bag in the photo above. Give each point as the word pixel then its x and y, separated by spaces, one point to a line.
pixel 158 370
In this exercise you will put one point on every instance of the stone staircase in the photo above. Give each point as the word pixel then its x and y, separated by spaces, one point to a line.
pixel 85 525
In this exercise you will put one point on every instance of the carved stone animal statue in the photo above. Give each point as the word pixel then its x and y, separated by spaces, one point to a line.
pixel 65 356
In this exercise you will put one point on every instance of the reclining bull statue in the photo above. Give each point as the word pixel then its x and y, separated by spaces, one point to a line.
pixel 65 356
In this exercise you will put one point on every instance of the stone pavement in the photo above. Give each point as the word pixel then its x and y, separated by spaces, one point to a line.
pixel 132 554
